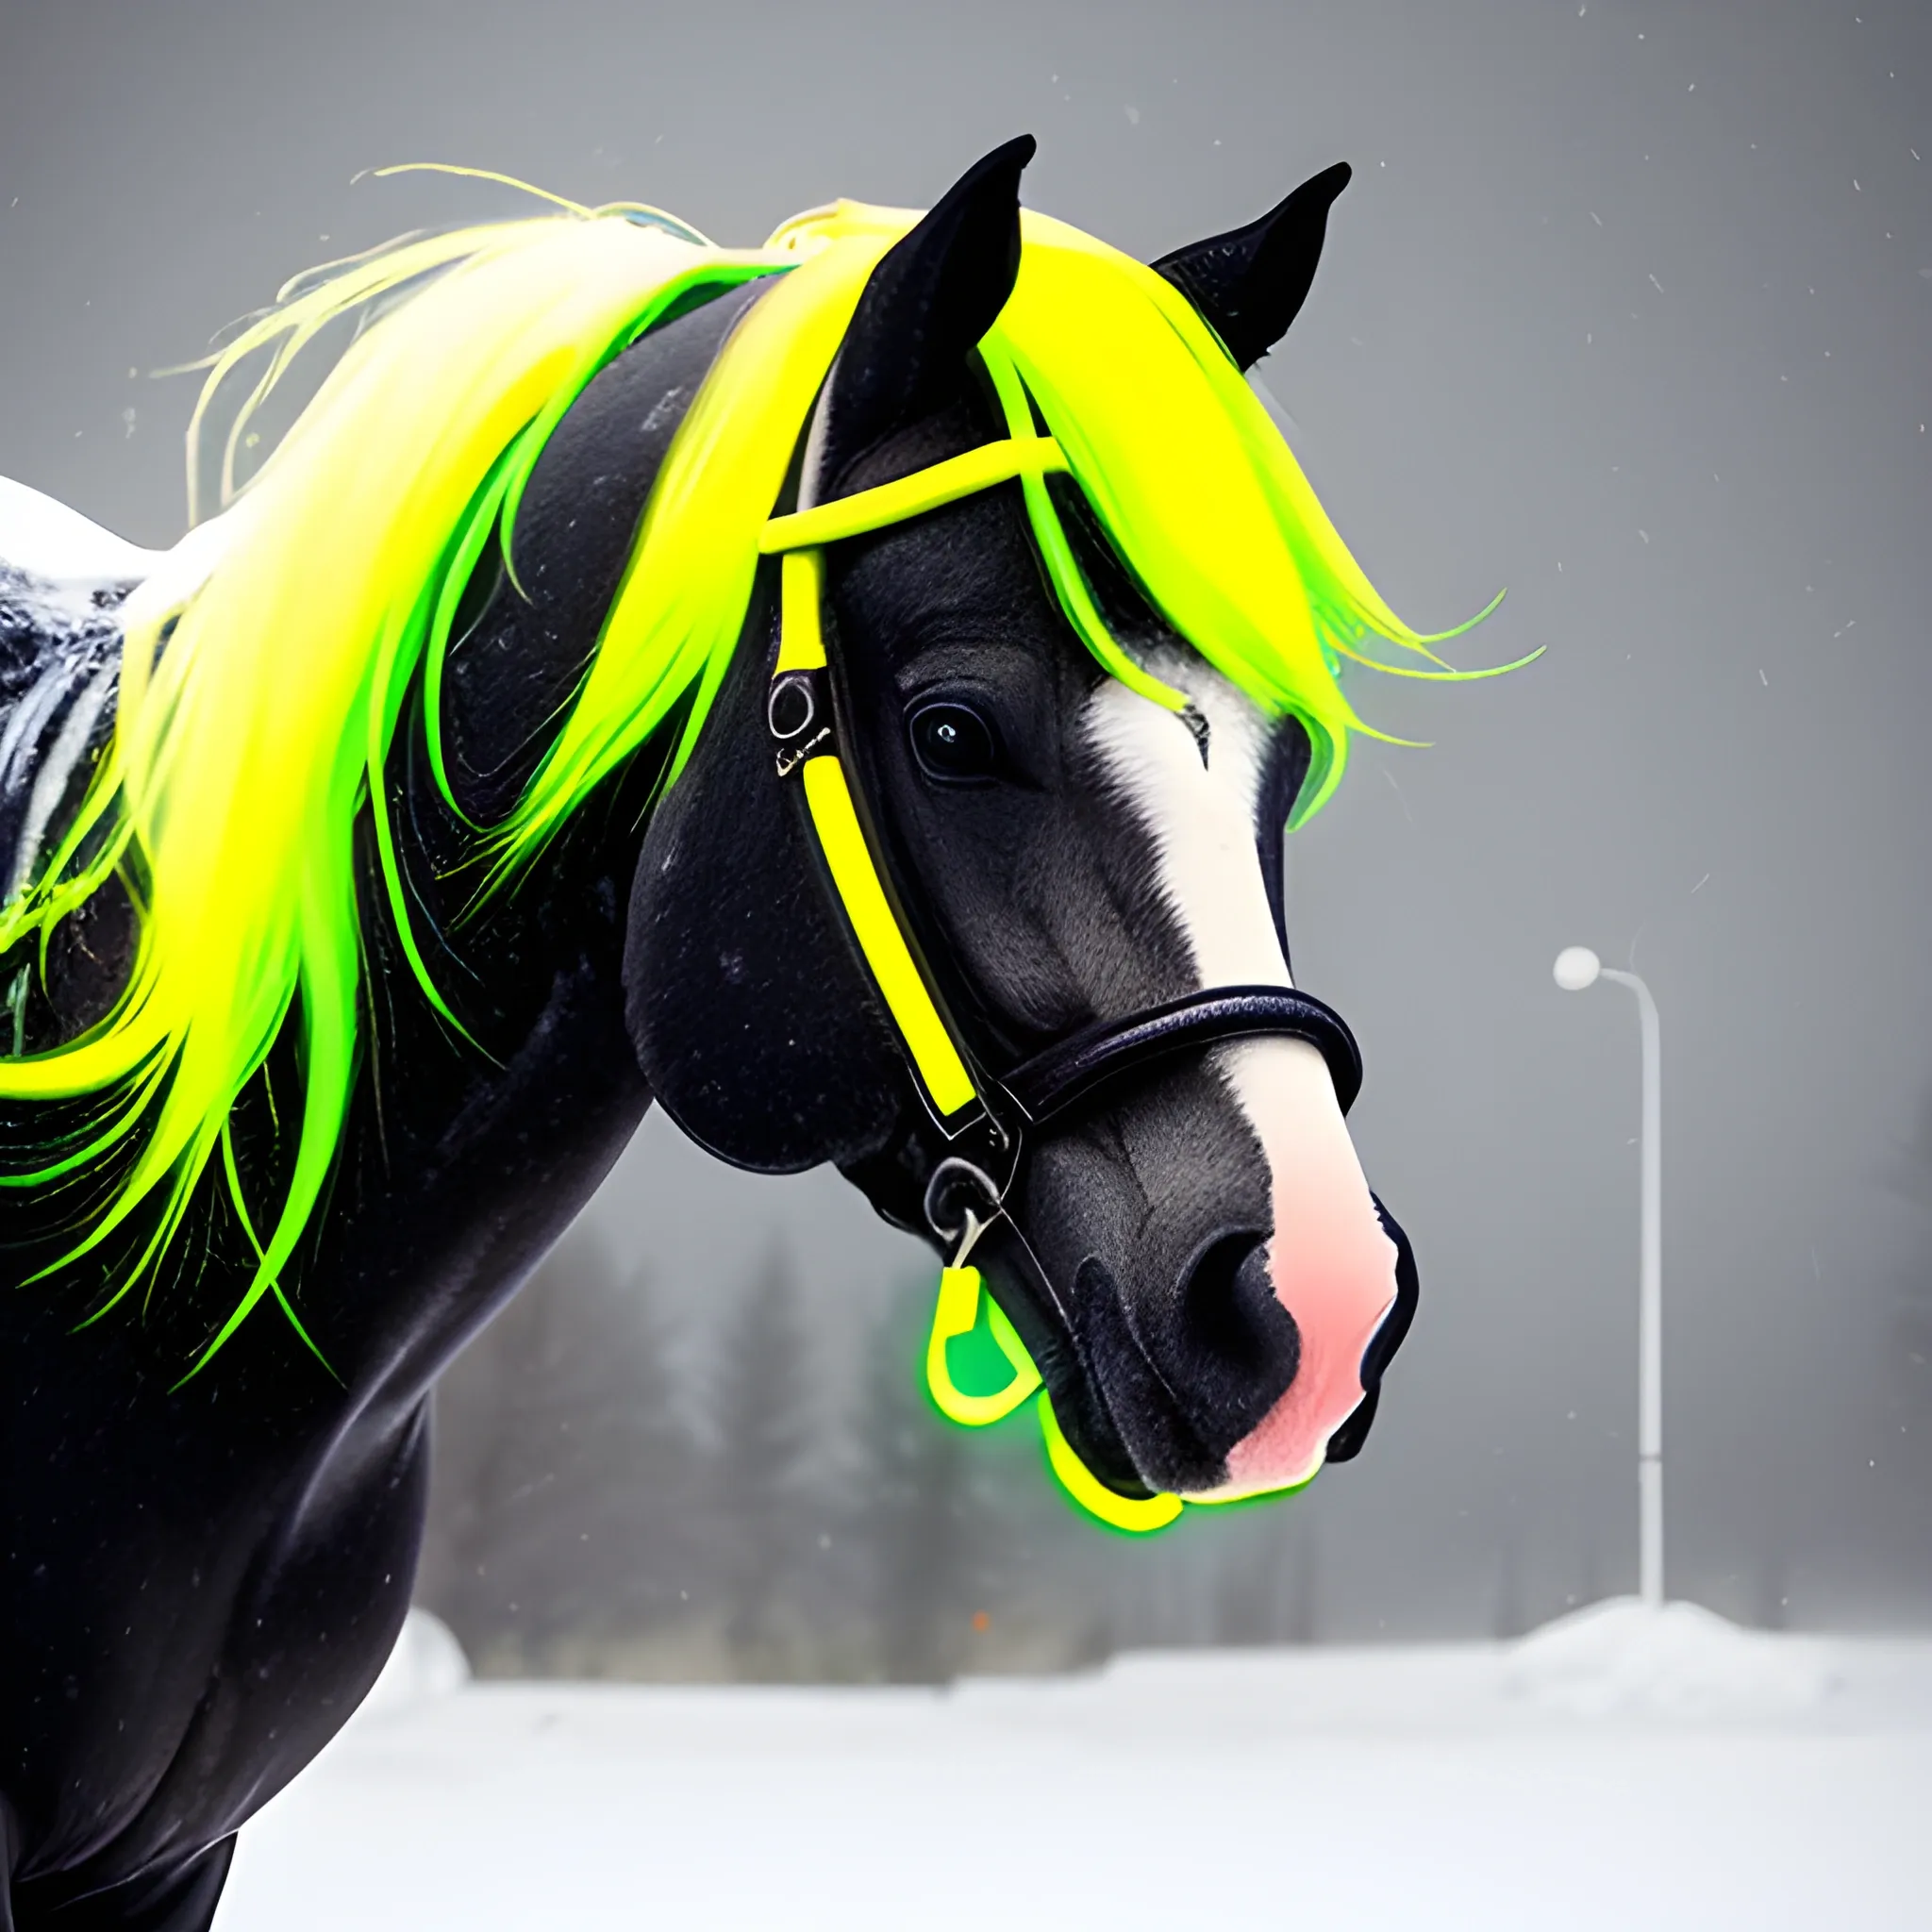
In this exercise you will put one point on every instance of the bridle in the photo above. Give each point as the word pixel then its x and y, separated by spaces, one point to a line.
pixel 971 1124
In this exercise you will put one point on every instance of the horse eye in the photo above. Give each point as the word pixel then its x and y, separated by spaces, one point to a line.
pixel 953 742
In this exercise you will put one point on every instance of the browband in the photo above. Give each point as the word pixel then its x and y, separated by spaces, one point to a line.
pixel 912 496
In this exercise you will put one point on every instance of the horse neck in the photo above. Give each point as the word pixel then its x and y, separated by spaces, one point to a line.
pixel 462 1166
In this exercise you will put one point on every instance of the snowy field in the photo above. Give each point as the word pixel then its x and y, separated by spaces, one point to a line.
pixel 1617 1771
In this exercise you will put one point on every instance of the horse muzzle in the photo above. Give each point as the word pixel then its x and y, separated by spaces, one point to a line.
pixel 1206 1285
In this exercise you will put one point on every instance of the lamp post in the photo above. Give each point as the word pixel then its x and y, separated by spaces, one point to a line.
pixel 1577 967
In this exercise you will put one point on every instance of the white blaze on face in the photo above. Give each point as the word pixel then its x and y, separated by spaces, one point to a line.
pixel 1332 1265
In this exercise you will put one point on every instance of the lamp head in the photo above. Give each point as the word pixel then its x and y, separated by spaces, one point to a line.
pixel 1576 967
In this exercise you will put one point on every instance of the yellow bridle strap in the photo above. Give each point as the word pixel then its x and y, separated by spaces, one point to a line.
pixel 797 540
pixel 856 881
pixel 910 496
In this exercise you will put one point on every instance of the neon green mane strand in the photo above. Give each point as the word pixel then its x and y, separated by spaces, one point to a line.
pixel 266 669
pixel 240 761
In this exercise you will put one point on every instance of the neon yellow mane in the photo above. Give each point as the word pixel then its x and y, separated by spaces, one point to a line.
pixel 260 690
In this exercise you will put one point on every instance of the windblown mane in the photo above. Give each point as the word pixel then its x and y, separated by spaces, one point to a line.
pixel 264 678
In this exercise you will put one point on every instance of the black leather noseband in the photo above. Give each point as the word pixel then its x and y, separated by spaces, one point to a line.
pixel 973 1169
pixel 1074 1070
pixel 806 717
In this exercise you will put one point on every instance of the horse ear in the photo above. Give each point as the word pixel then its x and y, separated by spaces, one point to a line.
pixel 1250 283
pixel 930 299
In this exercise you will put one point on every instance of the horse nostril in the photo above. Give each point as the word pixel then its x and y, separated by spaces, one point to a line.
pixel 1242 1347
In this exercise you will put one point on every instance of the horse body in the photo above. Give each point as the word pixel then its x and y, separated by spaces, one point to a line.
pixel 206 1575
pixel 276 1515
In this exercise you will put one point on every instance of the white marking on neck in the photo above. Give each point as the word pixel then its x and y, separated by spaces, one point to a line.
pixel 56 773
pixel 65 560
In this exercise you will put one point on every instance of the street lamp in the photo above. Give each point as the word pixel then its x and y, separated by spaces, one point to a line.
pixel 1576 968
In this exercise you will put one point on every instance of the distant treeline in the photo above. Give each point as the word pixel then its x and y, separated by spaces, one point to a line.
pixel 610 1499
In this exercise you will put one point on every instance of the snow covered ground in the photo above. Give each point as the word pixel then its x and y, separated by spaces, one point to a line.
pixel 1617 1769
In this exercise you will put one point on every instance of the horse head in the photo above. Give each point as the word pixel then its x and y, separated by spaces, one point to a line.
pixel 1071 857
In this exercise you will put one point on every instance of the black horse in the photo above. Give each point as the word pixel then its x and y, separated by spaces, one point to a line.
pixel 203 1577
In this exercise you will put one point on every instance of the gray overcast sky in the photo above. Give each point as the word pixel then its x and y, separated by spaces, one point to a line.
pixel 1627 310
